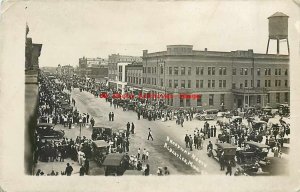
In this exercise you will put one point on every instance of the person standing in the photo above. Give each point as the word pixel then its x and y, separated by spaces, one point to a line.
pixel 147 170
pixel 69 170
pixel 132 128
pixel 81 171
pixel 87 118
pixel 144 155
pixel 112 116
pixel 229 168
pixel 191 143
pixel 139 153
pixel 86 166
pixel 215 131
pixel 150 134
pixel 128 126
pixel 187 140
pixel 109 116
pixel 147 155
pixel 92 122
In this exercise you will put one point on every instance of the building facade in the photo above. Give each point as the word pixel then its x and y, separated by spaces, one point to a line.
pixel 134 77
pixel 96 68
pixel 113 61
pixel 223 79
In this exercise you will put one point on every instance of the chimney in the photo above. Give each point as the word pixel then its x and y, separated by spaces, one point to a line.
pixel 205 49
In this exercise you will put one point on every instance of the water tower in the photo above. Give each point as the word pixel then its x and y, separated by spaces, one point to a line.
pixel 278 29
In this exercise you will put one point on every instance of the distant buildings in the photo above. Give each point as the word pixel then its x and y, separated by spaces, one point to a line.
pixel 96 68
pixel 117 70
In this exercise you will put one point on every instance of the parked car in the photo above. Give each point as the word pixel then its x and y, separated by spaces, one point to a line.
pixel 227 150
pixel 115 164
pixel 47 131
pixel 100 150
pixel 209 114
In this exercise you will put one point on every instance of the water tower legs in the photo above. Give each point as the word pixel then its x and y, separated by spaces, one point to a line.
pixel 277 46
pixel 268 46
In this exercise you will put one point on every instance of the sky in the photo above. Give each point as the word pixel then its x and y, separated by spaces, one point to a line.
pixel 70 30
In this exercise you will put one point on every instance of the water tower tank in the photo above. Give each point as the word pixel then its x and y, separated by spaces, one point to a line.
pixel 278 26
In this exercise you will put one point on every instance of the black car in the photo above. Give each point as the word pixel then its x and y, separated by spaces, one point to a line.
pixel 46 130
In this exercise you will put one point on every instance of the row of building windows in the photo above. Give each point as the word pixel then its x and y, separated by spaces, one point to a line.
pixel 211 71
pixel 212 83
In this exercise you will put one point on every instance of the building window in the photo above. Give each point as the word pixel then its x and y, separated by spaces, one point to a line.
pixel 269 71
pixel 246 71
pixel 279 71
pixel 258 99
pixel 175 83
pixel 241 85
pixel 213 70
pixel 161 69
pixel 275 71
pixel 208 83
pixel 182 83
pixel 199 101
pixel 277 97
pixel 201 70
pixel 275 83
pixel 220 83
pixel 161 82
pixel 266 71
pixel 175 70
pixel 286 97
pixel 170 70
pixel 251 83
pixel 149 70
pixel 266 83
pixel 170 83
pixel 246 83
pixel 213 83
pixel 189 70
pixel 201 83
pixel 197 83
pixel 222 99
pixel 197 70
pixel 285 83
pixel 224 71
pixel 233 71
pixel 269 83
pixel 182 71
pixel 258 71
pixel 209 71
pixel 189 83
pixel 220 71
pixel 188 102
pixel 155 70
pixel 233 86
pixel 258 83
pixel 181 102
pixel 140 81
pixel 279 83
pixel 268 97
pixel 242 71
pixel 286 72
pixel 224 83
pixel 211 100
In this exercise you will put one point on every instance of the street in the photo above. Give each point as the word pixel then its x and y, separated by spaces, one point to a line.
pixel 159 156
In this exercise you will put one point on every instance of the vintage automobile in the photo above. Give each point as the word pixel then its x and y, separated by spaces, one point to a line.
pixel 115 164
pixel 101 132
pixel 236 119
pixel 227 150
pixel 260 126
pixel 209 114
pixel 260 151
pixel 46 131
pixel 100 149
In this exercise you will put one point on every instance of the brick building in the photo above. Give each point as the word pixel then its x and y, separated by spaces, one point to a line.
pixel 230 79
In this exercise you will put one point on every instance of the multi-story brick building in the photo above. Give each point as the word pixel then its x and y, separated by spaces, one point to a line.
pixel 96 68
pixel 230 79
pixel 113 61
pixel 134 77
